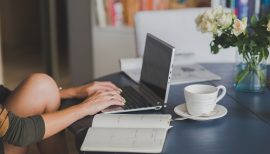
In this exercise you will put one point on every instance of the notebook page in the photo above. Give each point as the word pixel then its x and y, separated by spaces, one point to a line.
pixel 147 140
pixel 132 120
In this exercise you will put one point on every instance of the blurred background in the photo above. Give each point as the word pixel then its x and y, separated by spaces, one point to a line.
pixel 76 41
pixel 34 39
pixel 67 39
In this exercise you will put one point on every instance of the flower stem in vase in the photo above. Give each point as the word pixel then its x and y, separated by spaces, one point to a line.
pixel 250 77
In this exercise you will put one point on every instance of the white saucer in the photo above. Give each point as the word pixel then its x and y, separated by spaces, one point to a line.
pixel 219 112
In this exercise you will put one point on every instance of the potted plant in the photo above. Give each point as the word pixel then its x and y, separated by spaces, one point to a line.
pixel 252 42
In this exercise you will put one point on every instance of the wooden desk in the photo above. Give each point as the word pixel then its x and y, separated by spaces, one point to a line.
pixel 244 130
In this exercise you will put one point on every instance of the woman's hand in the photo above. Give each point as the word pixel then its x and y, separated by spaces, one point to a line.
pixel 102 100
pixel 57 121
pixel 91 88
pixel 88 90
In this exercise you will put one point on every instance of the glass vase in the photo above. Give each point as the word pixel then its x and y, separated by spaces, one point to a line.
pixel 250 76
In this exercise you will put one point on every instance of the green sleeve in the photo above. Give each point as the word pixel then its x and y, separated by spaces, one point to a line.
pixel 24 131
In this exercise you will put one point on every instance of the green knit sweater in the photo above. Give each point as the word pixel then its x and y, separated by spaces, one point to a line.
pixel 20 131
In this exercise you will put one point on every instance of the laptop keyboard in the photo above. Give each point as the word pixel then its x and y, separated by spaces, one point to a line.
pixel 138 97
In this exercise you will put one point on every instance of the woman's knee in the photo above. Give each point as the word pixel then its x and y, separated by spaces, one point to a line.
pixel 37 94
pixel 47 88
pixel 41 80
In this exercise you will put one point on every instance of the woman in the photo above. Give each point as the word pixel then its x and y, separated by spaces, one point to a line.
pixel 30 113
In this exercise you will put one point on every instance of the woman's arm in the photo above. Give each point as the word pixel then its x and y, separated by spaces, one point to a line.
pixel 57 121
pixel 25 131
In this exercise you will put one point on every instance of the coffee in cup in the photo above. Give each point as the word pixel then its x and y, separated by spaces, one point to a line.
pixel 201 99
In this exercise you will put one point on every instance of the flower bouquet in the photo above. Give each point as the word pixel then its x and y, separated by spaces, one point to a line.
pixel 252 42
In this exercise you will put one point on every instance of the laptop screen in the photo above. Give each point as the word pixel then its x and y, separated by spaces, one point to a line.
pixel 156 65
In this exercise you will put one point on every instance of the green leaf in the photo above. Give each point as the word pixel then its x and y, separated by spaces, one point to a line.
pixel 252 44
pixel 261 55
pixel 261 75
pixel 265 53
pixel 268 17
pixel 214 49
pixel 253 21
pixel 241 75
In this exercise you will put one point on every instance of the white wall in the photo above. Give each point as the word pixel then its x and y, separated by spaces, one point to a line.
pixel 109 45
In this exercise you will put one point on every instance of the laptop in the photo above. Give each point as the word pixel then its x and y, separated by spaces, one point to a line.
pixel 152 92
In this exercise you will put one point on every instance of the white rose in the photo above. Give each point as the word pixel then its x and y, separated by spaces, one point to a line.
pixel 239 26
pixel 208 15
pixel 225 20
pixel 217 12
pixel 208 23
pixel 207 26
pixel 198 20
pixel 268 26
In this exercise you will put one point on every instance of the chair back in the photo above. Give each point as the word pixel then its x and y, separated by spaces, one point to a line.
pixel 178 28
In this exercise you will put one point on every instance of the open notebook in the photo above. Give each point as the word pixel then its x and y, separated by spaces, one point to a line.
pixel 183 71
pixel 141 133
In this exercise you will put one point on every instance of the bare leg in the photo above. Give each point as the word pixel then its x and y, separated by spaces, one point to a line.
pixel 36 95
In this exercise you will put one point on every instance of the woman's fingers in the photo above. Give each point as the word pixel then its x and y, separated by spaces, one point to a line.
pixel 107 96
pixel 101 88
pixel 112 95
pixel 109 84
pixel 102 100
pixel 92 88
pixel 114 102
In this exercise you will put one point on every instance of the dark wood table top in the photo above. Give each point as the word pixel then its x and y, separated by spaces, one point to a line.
pixel 244 130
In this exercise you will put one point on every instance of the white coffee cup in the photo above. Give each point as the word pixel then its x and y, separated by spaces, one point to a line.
pixel 201 99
